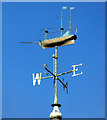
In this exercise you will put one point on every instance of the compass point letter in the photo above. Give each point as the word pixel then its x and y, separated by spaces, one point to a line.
pixel 76 69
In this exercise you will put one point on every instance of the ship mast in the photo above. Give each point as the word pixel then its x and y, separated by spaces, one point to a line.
pixel 61 24
pixel 63 8
pixel 71 8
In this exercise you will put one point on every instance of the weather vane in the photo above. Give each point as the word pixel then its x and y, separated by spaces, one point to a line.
pixel 65 39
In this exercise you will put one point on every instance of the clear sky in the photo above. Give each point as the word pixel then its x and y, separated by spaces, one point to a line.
pixel 86 97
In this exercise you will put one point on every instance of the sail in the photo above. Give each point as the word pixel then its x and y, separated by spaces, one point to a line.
pixel 66 34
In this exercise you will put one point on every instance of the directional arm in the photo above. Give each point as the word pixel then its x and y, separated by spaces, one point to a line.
pixel 46 77
pixel 38 78
pixel 54 75
pixel 65 72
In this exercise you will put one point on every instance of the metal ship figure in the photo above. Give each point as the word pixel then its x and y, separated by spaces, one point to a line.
pixel 65 39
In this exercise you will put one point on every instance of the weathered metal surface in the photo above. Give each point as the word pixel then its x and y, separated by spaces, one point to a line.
pixel 60 41
pixel 65 72
pixel 55 85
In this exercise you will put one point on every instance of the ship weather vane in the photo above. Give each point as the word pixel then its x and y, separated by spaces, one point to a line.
pixel 65 39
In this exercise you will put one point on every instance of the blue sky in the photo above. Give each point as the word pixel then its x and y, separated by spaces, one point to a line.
pixel 22 22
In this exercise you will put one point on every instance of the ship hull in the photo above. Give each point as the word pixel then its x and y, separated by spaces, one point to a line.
pixel 61 41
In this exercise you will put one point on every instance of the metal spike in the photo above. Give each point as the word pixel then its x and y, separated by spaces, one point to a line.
pixel 63 85
pixel 76 30
pixel 29 42
pixel 67 87
pixel 45 65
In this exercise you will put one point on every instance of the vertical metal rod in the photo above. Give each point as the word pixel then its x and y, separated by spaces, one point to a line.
pixel 55 85
pixel 70 20
pixel 54 69
pixel 61 23
pixel 45 36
